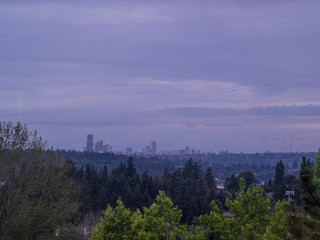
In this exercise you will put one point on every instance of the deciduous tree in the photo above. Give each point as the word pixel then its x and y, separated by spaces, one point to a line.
pixel 37 197
pixel 115 224
pixel 160 221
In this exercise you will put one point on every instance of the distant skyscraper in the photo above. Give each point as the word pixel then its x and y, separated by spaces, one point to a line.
pixel 153 145
pixel 99 146
pixel 90 143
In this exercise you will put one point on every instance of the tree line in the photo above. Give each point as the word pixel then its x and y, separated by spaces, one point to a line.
pixel 191 190
pixel 45 197
pixel 250 215
pixel 224 165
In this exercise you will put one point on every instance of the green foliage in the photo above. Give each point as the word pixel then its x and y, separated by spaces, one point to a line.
pixel 216 225
pixel 250 210
pixel 190 190
pixel 278 187
pixel 249 178
pixel 277 228
pixel 90 190
pixel 249 218
pixel 115 224
pixel 232 182
pixel 279 174
pixel 316 170
pixel 311 198
pixel 309 191
pixel 160 221
pixel 37 197
pixel 281 184
pixel 295 225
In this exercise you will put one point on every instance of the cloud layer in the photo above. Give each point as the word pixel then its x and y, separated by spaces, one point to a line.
pixel 224 74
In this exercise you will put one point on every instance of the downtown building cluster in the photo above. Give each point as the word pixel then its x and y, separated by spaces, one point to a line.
pixel 100 147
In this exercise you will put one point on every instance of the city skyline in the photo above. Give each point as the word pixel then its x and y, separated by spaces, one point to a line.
pixel 230 75
pixel 152 148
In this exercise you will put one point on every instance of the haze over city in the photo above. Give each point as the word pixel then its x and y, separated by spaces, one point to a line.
pixel 228 75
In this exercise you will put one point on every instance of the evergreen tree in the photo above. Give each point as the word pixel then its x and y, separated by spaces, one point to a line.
pixel 249 178
pixel 278 183
pixel 311 199
pixel 295 224
pixel 209 179
pixel 133 195
pixel 148 193
pixel 90 190
pixel 268 185
pixel 309 191
pixel 71 169
pixel 104 187
pixel 316 169
pixel 232 184
pixel 279 173
pixel 295 164
pixel 291 183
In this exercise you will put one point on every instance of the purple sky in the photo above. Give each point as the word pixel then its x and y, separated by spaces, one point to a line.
pixel 228 75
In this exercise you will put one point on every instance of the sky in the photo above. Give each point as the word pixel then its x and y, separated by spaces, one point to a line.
pixel 236 75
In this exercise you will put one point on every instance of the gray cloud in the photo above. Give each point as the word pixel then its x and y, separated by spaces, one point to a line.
pixel 198 112
pixel 166 70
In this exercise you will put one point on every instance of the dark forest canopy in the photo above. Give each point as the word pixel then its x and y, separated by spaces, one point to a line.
pixel 224 165
pixel 44 193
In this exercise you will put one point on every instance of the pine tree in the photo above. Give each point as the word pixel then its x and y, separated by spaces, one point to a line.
pixel 309 191
pixel 90 190
pixel 232 184
pixel 209 179
pixel 104 188
pixel 249 178
pixel 311 198
pixel 316 169
pixel 295 225
pixel 278 183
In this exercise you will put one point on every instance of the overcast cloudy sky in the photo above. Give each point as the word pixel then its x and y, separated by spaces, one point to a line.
pixel 237 75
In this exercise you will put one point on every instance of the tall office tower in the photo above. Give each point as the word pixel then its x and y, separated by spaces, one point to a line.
pixel 99 146
pixel 90 143
pixel 153 145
